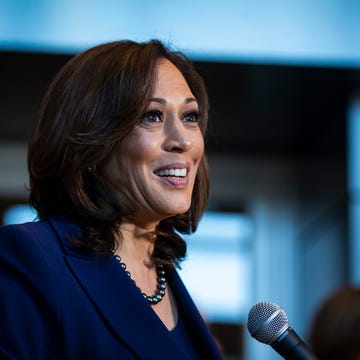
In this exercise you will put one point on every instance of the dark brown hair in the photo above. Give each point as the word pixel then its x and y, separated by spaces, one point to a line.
pixel 95 100
pixel 335 332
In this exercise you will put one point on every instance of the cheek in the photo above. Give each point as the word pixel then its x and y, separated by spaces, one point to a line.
pixel 199 147
pixel 138 148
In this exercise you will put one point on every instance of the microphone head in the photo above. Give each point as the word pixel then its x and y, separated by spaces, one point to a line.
pixel 266 322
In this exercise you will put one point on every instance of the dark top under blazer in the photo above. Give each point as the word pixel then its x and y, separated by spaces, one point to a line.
pixel 58 303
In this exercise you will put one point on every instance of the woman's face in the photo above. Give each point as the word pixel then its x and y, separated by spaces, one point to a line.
pixel 154 167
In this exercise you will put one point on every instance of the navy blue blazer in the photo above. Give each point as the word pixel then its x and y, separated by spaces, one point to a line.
pixel 59 303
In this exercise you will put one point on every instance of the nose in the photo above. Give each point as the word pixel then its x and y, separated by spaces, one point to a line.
pixel 177 137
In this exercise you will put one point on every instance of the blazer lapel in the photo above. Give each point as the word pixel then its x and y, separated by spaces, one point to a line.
pixel 195 322
pixel 119 301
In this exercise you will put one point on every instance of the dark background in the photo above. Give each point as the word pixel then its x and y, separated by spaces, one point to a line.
pixel 262 109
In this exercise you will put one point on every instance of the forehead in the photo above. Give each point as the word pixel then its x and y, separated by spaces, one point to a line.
pixel 163 64
pixel 169 77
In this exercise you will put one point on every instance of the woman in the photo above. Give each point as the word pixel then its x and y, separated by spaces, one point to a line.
pixel 117 171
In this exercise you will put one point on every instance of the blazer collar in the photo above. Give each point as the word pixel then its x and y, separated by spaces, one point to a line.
pixel 117 298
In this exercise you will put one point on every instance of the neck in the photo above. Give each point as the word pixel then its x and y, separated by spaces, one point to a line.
pixel 137 243
pixel 135 251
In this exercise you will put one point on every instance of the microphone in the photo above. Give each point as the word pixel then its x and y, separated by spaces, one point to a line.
pixel 268 323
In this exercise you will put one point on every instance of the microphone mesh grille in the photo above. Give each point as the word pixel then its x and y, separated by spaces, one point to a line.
pixel 262 326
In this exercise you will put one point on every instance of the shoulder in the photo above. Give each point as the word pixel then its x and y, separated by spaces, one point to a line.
pixel 28 246
pixel 31 261
pixel 49 233
pixel 22 236
pixel 23 230
pixel 38 244
pixel 29 289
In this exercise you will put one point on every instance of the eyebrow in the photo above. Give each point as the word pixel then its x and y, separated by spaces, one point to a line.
pixel 163 101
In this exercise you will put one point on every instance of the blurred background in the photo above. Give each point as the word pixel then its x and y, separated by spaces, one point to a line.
pixel 283 78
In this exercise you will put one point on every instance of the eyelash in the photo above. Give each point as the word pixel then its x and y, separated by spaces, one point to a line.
pixel 150 113
pixel 195 115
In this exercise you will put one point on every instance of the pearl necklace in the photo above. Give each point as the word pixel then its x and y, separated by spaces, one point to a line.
pixel 160 286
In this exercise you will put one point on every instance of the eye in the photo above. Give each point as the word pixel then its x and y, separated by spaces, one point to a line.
pixel 191 116
pixel 152 116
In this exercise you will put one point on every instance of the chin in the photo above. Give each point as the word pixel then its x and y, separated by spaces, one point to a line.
pixel 178 210
pixel 182 210
pixel 172 205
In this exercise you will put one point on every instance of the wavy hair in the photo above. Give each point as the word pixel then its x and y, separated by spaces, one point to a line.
pixel 94 101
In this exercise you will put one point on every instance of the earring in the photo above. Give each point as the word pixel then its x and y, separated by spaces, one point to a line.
pixel 90 169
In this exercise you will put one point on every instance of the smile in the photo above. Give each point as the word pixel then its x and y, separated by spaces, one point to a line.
pixel 172 172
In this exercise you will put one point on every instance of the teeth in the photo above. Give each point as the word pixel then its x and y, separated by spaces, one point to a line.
pixel 172 172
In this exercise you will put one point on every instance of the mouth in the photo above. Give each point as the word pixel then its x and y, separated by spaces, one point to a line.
pixel 173 172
